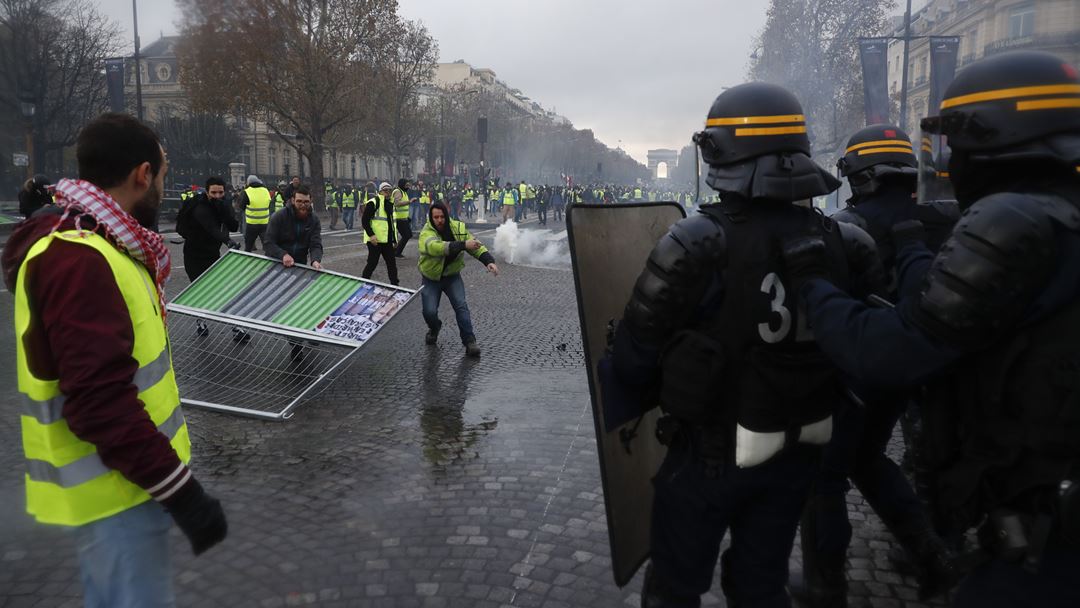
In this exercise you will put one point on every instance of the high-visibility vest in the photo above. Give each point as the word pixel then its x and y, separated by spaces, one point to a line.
pixel 331 198
pixel 381 225
pixel 258 207
pixel 637 192
pixel 348 201
pixel 468 195
pixel 508 197
pixel 66 481
pixel 425 199
pixel 401 208
pixel 523 190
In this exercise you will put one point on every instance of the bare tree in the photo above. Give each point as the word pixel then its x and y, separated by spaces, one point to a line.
pixel 52 53
pixel 308 65
pixel 199 143
pixel 811 47
pixel 402 119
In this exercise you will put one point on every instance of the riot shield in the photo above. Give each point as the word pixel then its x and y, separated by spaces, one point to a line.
pixel 608 248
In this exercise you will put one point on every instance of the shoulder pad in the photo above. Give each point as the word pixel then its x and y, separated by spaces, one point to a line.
pixel 949 210
pixel 867 270
pixel 849 215
pixel 676 275
pixel 999 256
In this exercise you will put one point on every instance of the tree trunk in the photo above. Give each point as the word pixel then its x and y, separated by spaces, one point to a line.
pixel 318 189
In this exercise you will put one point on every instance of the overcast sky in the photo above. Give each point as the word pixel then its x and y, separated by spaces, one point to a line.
pixel 640 73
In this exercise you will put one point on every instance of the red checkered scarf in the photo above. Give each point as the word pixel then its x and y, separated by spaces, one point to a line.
pixel 81 199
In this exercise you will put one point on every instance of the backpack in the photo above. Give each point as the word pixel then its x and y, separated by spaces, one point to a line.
pixel 185 218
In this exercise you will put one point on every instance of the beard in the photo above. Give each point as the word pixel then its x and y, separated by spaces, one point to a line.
pixel 146 209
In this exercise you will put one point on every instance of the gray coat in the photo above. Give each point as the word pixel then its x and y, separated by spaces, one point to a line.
pixel 299 238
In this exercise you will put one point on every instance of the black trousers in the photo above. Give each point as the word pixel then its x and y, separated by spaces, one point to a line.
pixel 196 262
pixel 386 251
pixel 404 228
pixel 251 232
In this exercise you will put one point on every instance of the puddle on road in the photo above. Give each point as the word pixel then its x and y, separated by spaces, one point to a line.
pixel 459 410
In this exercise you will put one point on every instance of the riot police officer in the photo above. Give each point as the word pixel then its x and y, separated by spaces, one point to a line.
pixel 995 327
pixel 880 167
pixel 747 395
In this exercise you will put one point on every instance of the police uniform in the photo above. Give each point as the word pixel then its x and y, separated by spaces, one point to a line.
pixel 995 327
pixel 748 396
pixel 880 166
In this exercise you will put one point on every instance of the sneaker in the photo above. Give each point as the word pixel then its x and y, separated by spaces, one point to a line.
pixel 472 350
pixel 399 255
pixel 431 338
pixel 240 336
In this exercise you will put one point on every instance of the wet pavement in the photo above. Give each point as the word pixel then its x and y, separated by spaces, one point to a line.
pixel 419 478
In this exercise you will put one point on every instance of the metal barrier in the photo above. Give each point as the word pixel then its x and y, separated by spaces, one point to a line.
pixel 254 338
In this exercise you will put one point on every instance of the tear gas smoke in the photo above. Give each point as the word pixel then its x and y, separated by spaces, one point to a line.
pixel 537 248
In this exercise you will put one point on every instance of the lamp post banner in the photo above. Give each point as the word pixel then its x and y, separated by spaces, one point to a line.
pixel 874 55
pixel 114 76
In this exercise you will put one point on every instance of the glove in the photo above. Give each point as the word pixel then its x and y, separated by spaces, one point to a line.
pixel 908 232
pixel 200 517
pixel 805 260
pixel 232 244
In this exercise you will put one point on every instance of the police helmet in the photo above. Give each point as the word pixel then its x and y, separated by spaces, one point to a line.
pixel 756 146
pixel 876 145
pixel 1005 102
pixel 752 120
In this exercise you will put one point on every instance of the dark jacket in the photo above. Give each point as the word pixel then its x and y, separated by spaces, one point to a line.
pixel 211 223
pixel 301 239
pixel 370 209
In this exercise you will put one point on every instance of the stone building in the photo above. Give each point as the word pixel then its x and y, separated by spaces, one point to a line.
pixel 985 27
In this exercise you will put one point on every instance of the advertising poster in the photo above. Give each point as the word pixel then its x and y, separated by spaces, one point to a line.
pixel 366 310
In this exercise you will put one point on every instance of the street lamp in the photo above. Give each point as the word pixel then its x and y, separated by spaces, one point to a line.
pixel 28 108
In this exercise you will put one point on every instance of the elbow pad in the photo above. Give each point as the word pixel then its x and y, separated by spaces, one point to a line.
pixel 1000 255
pixel 676 277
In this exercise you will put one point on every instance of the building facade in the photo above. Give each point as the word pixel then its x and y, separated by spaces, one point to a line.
pixel 985 27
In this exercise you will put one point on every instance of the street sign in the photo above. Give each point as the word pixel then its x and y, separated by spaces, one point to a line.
pixel 20 159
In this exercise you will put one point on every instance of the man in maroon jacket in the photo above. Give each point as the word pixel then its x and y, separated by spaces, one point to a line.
pixel 79 333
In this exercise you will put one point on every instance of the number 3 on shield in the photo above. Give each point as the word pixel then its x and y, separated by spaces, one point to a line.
pixel 773 287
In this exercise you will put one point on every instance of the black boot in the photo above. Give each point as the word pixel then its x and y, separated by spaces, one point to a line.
pixel 656 594
pixel 823 583
pixel 929 557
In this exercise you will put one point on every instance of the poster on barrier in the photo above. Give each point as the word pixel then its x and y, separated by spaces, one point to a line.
pixel 366 310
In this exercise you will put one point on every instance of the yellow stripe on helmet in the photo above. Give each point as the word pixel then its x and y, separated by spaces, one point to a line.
pixel 880 142
pixel 885 151
pixel 1050 89
pixel 1048 104
pixel 754 120
pixel 769 131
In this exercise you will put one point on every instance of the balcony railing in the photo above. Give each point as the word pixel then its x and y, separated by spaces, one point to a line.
pixel 1036 41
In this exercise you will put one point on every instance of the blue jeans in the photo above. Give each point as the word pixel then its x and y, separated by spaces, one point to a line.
pixel 454 288
pixel 124 559
pixel 416 213
pixel 348 214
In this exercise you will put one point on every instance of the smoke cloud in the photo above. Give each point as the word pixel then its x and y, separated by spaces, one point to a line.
pixel 536 248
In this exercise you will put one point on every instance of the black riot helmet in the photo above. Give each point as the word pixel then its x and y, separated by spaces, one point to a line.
pixel 878 155
pixel 756 146
pixel 1020 109
pixel 876 145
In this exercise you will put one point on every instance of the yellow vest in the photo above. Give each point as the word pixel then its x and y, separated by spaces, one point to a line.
pixel 401 208
pixel 66 482
pixel 508 198
pixel 258 207
pixel 380 224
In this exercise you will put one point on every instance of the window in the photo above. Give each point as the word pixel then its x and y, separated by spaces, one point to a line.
pixel 272 153
pixel 245 155
pixel 1022 21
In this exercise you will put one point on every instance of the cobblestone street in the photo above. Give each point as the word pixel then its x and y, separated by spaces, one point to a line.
pixel 419 478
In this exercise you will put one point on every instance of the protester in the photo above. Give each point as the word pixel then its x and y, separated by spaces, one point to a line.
pixel 442 244
pixel 103 433
pixel 294 233
pixel 34 195
pixel 381 232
